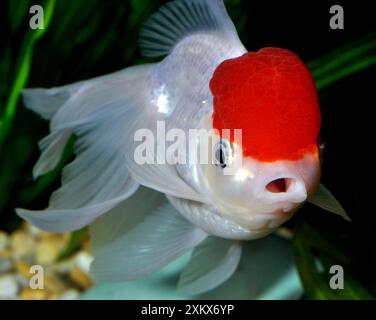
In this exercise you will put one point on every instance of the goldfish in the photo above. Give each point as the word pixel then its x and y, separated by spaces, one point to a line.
pixel 143 216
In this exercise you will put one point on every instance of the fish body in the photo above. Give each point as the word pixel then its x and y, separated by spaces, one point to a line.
pixel 141 217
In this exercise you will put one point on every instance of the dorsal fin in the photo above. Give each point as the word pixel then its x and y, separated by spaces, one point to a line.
pixel 178 19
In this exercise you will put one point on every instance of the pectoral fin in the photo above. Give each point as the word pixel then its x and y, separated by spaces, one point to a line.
pixel 161 237
pixel 324 199
pixel 212 263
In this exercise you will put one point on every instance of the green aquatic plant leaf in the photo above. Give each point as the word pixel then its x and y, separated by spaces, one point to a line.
pixel 340 63
pixel 345 71
pixel 5 63
pixel 314 284
pixel 17 11
pixel 22 72
pixel 13 161
pixel 345 52
pixel 312 249
pixel 74 243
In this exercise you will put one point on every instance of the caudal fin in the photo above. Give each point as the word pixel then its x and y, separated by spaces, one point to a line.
pixel 140 237
pixel 100 112
pixel 46 102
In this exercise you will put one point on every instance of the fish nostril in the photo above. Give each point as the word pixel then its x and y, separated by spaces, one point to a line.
pixel 280 185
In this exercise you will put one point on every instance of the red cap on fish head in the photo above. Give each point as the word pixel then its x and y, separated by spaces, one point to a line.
pixel 271 96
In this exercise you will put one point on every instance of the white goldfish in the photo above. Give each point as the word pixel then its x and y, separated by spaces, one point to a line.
pixel 142 217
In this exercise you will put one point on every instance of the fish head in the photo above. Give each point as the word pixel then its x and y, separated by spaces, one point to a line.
pixel 263 175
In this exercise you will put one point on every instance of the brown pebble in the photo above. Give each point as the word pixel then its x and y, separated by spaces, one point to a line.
pixel 80 278
pixel 48 250
pixel 22 244
pixel 23 269
pixel 6 253
pixel 33 294
pixel 54 284
pixel 4 240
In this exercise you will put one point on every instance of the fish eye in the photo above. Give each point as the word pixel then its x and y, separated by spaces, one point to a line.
pixel 222 152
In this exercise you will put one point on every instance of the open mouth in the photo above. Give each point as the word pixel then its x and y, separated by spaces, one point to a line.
pixel 280 185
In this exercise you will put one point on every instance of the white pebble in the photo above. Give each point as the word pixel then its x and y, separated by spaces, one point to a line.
pixel 70 295
pixel 5 265
pixel 8 287
pixel 4 240
pixel 83 261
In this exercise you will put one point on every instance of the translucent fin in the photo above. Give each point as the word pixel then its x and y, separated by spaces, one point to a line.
pixel 162 177
pixel 124 217
pixel 70 219
pixel 324 199
pixel 150 245
pixel 212 263
pixel 73 103
pixel 156 173
pixel 98 173
pixel 52 148
pixel 101 117
pixel 181 18
pixel 46 102
pixel 267 270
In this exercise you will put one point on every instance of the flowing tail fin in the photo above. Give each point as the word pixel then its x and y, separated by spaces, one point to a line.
pixel 140 237
pixel 212 263
pixel 97 179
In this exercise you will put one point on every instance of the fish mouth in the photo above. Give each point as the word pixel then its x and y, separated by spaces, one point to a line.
pixel 280 185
